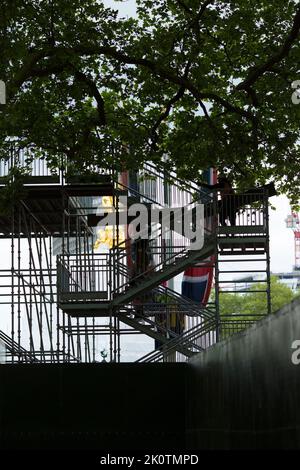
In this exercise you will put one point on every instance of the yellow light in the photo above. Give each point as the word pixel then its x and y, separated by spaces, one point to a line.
pixel 108 237
pixel 107 201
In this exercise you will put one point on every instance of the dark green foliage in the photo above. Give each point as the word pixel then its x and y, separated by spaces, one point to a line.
pixel 205 83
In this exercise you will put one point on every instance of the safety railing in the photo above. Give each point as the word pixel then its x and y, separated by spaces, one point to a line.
pixel 191 308
pixel 158 250
pixel 168 322
pixel 163 319
pixel 233 324
pixel 155 254
pixel 34 170
pixel 168 311
pixel 84 277
pixel 203 335
pixel 39 170
pixel 204 331
pixel 13 349
pixel 246 213
pixel 167 188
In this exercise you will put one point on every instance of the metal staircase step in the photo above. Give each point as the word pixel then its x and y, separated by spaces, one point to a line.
pixel 83 296
pixel 89 179
pixel 14 348
pixel 121 192
pixel 146 329
pixel 86 309
pixel 187 337
pixel 242 245
pixel 147 283
pixel 169 271
pixel 242 229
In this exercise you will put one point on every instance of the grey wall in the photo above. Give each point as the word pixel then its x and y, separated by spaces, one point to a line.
pixel 245 391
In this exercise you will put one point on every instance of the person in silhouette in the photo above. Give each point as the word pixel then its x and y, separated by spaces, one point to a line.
pixel 227 204
pixel 142 267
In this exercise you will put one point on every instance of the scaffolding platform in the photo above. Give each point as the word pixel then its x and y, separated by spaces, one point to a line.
pixel 91 309
pixel 242 245
pixel 84 296
pixel 242 239
pixel 46 204
pixel 62 289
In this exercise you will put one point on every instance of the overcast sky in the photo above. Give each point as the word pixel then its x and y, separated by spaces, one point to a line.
pixel 126 8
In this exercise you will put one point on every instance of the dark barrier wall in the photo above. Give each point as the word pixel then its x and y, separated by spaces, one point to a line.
pixel 97 406
pixel 241 393
pixel 245 392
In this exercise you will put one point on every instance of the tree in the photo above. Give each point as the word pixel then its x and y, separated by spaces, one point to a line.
pixel 196 83
pixel 238 311
pixel 255 303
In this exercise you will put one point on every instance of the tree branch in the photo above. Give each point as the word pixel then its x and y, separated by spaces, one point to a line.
pixel 184 7
pixel 168 74
pixel 165 114
pixel 24 72
pixel 256 72
pixel 194 22
pixel 190 12
pixel 57 68
pixel 154 67
pixel 168 108
pixel 203 8
pixel 207 116
pixel 221 43
pixel 95 93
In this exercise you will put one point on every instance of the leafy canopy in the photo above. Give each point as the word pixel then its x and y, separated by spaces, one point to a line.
pixel 196 83
pixel 253 302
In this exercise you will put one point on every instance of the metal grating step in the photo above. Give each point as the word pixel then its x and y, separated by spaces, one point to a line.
pixel 83 296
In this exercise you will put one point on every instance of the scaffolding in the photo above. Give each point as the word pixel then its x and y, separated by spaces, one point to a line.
pixel 61 296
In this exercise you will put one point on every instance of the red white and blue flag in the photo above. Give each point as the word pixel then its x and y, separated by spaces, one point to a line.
pixel 197 280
